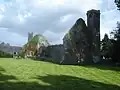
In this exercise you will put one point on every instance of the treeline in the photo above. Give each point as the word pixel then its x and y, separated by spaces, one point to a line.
pixel 5 55
pixel 110 47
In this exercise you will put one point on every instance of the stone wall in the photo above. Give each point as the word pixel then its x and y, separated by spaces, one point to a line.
pixel 75 42
pixel 55 53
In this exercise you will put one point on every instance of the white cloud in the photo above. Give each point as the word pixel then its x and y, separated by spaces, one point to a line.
pixel 109 16
pixel 52 18
pixel 12 38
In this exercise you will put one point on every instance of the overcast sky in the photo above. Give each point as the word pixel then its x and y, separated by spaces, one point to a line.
pixel 52 18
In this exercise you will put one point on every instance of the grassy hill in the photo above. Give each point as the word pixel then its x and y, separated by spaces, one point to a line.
pixel 26 74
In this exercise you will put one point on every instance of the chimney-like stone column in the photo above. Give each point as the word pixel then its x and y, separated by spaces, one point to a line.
pixel 93 23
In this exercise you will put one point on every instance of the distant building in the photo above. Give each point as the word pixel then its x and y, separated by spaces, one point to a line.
pixel 9 49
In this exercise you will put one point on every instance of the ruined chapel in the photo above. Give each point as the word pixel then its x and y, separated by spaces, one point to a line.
pixel 81 45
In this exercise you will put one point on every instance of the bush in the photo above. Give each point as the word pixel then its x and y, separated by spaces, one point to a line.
pixel 22 54
pixel 5 55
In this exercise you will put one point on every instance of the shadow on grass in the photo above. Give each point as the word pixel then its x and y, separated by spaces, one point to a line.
pixel 104 67
pixel 4 77
pixel 2 69
pixel 58 82
pixel 64 82
pixel 45 59
pixel 98 66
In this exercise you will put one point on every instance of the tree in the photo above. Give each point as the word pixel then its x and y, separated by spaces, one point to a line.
pixel 116 46
pixel 35 44
pixel 5 55
pixel 106 47
pixel 117 2
pixel 22 54
pixel 116 34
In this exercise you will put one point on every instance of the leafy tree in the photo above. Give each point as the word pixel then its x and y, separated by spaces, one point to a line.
pixel 117 2
pixel 5 55
pixel 35 43
pixel 106 47
pixel 116 47
pixel 22 54
pixel 116 32
pixel 39 39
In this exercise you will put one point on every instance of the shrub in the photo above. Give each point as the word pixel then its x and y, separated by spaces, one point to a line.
pixel 5 55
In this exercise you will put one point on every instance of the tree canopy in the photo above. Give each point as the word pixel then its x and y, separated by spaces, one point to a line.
pixel 39 39
pixel 117 2
pixel 36 40
pixel 116 47
pixel 106 46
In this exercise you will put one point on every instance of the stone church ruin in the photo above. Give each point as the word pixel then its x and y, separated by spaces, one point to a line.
pixel 82 42
pixel 81 45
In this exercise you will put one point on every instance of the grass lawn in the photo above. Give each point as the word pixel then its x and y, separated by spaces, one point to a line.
pixel 26 74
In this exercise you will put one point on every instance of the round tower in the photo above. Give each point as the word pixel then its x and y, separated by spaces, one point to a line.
pixel 93 23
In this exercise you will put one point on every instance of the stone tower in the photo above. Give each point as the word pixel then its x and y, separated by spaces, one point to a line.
pixel 30 36
pixel 93 23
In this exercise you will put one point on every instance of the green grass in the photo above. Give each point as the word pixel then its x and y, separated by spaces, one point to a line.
pixel 26 74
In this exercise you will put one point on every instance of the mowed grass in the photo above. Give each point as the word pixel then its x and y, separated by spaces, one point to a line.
pixel 26 74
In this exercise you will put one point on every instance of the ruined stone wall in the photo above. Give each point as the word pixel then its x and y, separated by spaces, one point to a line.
pixel 82 42
pixel 76 46
pixel 93 23
pixel 55 52
pixel 81 45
